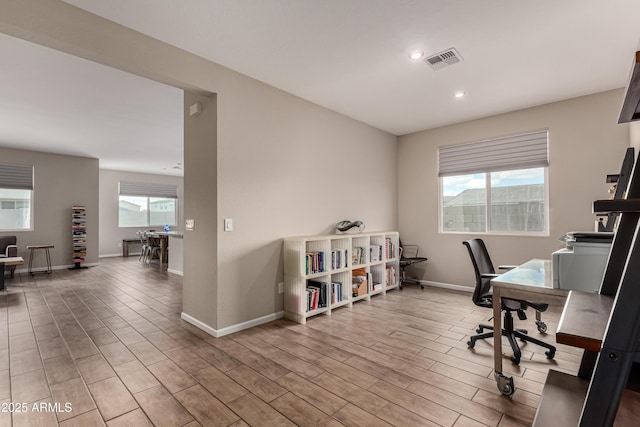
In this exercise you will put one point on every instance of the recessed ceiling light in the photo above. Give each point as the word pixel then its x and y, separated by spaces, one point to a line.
pixel 459 94
pixel 416 54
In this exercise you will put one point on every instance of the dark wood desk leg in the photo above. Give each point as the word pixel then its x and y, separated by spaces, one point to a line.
pixel 164 245
pixel 588 364
pixel 1 276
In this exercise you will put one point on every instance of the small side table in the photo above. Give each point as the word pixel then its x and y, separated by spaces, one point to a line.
pixel 32 249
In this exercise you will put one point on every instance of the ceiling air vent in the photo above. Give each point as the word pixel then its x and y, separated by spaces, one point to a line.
pixel 443 59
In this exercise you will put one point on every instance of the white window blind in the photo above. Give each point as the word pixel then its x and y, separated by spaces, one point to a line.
pixel 523 151
pixel 147 189
pixel 18 177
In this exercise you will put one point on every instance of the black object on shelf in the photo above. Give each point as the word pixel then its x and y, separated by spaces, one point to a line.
pixel 622 182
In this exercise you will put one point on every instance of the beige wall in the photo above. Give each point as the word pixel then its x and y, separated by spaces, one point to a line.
pixel 59 183
pixel 585 144
pixel 110 234
pixel 200 295
pixel 283 166
pixel 287 168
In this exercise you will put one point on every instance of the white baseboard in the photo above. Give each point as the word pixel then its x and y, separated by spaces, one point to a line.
pixel 119 254
pixel 109 255
pixel 177 272
pixel 231 329
pixel 447 286
pixel 54 267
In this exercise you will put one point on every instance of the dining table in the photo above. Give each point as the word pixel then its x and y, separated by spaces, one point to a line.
pixel 163 237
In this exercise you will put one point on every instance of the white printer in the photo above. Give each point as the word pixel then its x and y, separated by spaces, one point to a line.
pixel 581 264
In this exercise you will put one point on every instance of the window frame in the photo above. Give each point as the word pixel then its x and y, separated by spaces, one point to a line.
pixel 148 191
pixel 522 151
pixel 19 177
pixel 148 213
pixel 545 232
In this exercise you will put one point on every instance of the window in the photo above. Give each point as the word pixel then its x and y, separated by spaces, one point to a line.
pixel 16 196
pixel 486 186
pixel 146 204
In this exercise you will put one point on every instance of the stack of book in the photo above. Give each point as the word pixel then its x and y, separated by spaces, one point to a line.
pixel 79 233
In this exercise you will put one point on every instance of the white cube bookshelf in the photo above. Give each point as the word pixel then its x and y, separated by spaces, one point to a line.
pixel 382 268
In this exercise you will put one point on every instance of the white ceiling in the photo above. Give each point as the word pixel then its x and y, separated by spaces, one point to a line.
pixel 347 55
pixel 54 102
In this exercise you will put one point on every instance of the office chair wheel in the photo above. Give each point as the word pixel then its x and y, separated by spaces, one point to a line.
pixel 542 327
pixel 471 343
pixel 505 385
pixel 515 360
pixel 550 354
pixel 479 330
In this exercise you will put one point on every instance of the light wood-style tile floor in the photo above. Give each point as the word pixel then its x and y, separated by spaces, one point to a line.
pixel 108 343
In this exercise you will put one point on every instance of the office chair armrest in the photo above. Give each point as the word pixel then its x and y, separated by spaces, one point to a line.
pixel 489 276
pixel 415 248
pixel 507 267
pixel 12 250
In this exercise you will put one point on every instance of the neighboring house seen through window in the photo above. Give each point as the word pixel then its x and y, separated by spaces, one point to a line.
pixel 16 197
pixel 495 186
pixel 147 204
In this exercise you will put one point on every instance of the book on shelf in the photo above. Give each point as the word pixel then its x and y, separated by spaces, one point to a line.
pixel 375 253
pixel 336 292
pixel 321 287
pixel 339 258
pixel 389 248
pixel 390 278
pixel 314 262
pixel 312 299
pixel 357 255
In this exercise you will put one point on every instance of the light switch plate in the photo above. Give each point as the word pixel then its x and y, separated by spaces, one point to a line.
pixel 189 224
pixel 228 224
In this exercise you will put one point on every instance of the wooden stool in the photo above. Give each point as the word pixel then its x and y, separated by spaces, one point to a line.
pixel 32 248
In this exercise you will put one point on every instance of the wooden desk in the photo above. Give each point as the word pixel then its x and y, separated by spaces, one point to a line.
pixel 531 281
pixel 16 260
pixel 584 320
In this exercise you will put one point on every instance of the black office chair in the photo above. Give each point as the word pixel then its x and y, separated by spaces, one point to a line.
pixel 408 257
pixel 483 297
